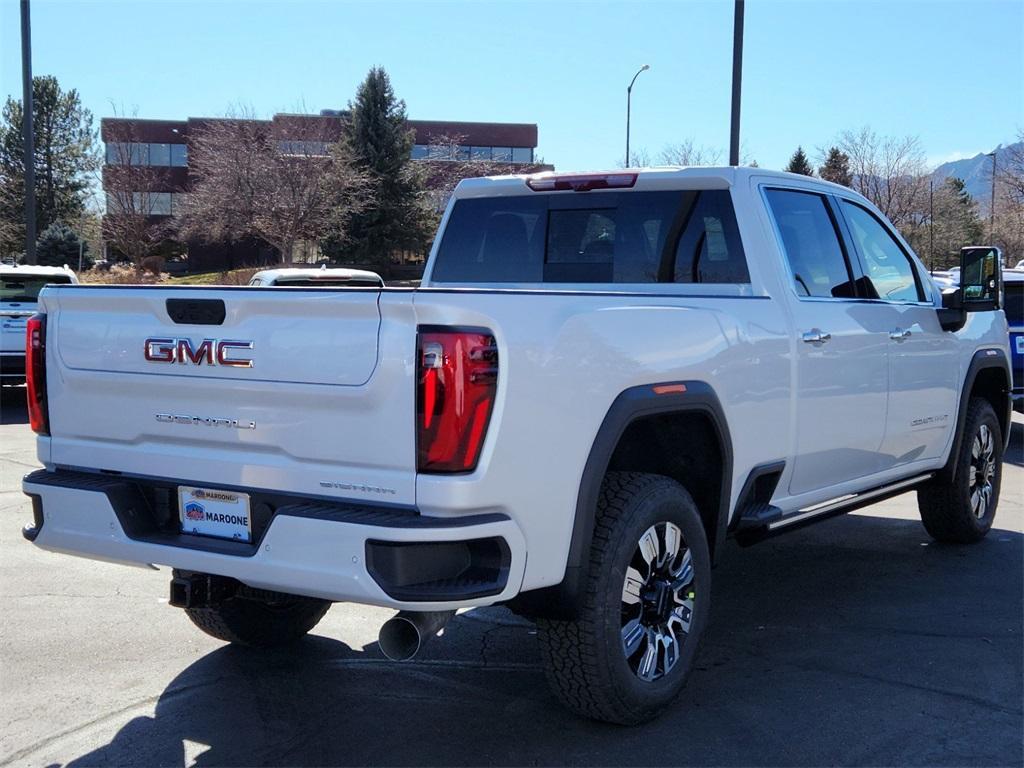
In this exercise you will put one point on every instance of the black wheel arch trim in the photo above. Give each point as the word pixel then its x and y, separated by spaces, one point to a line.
pixel 561 600
pixel 982 360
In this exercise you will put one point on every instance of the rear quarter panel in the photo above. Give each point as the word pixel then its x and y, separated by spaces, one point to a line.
pixel 565 357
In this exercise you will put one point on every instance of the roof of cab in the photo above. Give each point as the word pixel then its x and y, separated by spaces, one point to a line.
pixel 647 179
pixel 34 270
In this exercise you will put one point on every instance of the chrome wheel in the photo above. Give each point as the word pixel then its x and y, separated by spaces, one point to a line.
pixel 657 601
pixel 982 472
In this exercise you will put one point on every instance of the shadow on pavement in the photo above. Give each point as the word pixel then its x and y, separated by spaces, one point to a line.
pixel 13 409
pixel 858 641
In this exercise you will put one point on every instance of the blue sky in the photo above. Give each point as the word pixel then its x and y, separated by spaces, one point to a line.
pixel 949 72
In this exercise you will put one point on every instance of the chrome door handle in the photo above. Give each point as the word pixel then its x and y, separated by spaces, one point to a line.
pixel 899 334
pixel 816 336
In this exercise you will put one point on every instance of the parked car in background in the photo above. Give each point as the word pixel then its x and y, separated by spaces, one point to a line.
pixel 299 277
pixel 1013 288
pixel 19 288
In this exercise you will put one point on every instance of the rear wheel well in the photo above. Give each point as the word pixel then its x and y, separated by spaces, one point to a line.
pixel 684 446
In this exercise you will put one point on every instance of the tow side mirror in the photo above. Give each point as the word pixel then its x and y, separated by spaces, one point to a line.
pixel 981 278
pixel 981 286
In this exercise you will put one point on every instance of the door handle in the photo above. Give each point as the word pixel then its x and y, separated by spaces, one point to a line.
pixel 899 334
pixel 816 336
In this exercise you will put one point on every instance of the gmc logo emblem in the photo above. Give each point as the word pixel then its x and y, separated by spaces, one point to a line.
pixel 208 352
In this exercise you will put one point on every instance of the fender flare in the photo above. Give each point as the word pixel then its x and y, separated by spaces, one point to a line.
pixel 561 600
pixel 982 360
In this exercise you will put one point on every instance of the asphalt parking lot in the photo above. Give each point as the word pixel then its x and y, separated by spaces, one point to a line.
pixel 855 642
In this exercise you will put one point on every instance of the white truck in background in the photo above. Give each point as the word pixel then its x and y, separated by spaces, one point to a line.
pixel 600 380
pixel 19 289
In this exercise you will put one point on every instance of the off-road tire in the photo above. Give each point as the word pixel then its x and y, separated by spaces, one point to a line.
pixel 584 659
pixel 259 619
pixel 945 503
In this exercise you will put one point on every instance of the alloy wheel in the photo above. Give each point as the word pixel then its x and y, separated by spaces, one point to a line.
pixel 657 602
pixel 982 472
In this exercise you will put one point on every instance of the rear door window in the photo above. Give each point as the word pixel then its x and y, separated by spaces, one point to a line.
pixel 811 244
pixel 606 237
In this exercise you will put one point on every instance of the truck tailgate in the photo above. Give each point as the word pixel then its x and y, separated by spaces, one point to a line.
pixel 326 407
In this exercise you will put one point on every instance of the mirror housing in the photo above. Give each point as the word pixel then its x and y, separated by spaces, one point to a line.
pixel 981 278
pixel 980 290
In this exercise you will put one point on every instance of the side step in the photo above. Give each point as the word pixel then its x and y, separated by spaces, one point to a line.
pixel 825 510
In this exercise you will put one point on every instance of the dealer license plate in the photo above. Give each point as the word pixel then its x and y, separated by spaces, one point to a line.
pixel 209 512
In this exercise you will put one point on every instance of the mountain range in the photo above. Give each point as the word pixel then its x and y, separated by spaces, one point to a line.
pixel 976 171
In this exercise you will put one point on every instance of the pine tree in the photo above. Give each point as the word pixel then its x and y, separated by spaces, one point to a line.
pixel 836 168
pixel 58 245
pixel 799 163
pixel 66 154
pixel 380 141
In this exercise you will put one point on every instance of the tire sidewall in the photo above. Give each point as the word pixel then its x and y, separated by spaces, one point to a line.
pixel 664 502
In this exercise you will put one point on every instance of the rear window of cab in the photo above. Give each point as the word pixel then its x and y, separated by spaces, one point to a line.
pixel 598 237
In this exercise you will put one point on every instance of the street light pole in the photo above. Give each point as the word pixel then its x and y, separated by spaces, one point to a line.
pixel 629 97
pixel 992 203
pixel 28 135
pixel 737 77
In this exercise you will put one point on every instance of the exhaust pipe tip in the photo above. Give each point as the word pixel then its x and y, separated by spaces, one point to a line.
pixel 402 636
pixel 399 639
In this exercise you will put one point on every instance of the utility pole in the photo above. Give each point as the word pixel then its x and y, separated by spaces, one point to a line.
pixel 27 131
pixel 737 76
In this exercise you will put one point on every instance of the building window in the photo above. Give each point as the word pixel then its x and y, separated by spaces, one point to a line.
pixel 420 152
pixel 179 155
pixel 159 154
pixel 502 154
pixel 179 201
pixel 522 154
pixel 141 153
pixel 139 203
pixel 479 154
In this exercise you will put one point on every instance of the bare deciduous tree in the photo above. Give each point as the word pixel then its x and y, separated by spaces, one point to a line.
pixel 286 183
pixel 138 211
pixel 889 171
pixel 686 152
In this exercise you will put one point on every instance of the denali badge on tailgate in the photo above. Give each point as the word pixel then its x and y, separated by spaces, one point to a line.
pixel 209 352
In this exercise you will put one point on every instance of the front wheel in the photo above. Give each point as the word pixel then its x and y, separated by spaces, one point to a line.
pixel 961 510
pixel 645 606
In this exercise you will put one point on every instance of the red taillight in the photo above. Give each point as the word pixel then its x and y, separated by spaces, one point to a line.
pixel 457 375
pixel 35 373
pixel 579 183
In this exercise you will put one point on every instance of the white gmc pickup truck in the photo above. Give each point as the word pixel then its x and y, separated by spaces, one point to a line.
pixel 601 379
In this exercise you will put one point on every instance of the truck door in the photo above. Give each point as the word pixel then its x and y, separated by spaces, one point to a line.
pixel 840 352
pixel 923 360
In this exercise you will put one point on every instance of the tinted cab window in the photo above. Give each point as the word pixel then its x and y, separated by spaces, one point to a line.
pixel 811 244
pixel 887 266
pixel 613 237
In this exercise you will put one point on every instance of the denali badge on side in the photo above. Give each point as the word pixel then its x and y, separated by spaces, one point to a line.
pixel 177 418
pixel 209 352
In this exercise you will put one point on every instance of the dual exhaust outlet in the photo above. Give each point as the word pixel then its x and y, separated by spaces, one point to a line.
pixel 402 636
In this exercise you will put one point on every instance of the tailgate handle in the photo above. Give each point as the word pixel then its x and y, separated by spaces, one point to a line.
pixel 196 311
